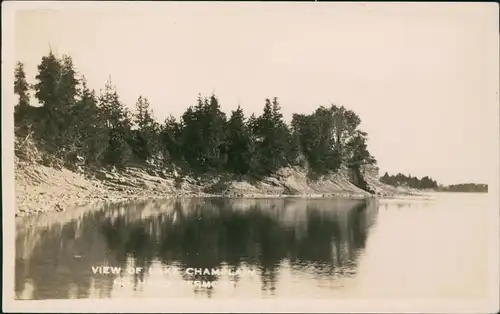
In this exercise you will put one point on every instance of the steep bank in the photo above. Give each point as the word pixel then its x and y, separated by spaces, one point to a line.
pixel 42 188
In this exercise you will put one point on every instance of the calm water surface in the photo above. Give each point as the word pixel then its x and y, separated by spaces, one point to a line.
pixel 434 247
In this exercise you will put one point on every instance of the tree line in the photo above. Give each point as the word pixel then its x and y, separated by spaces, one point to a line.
pixel 467 188
pixel 409 181
pixel 74 122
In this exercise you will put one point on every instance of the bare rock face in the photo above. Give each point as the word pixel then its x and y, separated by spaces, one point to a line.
pixel 370 170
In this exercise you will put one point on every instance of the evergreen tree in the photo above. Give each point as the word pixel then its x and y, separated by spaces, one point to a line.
pixel 118 123
pixel 49 73
pixel 282 136
pixel 191 135
pixel 253 130
pixel 239 144
pixel 56 89
pixel 215 136
pixel 21 88
pixel 385 178
pixel 171 141
pixel 46 91
pixel 67 87
pixel 203 136
pixel 89 127
pixel 67 91
pixel 146 136
pixel 272 138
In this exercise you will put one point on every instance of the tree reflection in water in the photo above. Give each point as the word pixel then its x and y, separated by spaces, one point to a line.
pixel 322 237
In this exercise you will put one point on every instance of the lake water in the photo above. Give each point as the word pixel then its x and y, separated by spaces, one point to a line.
pixel 435 247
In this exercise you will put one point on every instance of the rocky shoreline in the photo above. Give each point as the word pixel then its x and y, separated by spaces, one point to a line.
pixel 41 188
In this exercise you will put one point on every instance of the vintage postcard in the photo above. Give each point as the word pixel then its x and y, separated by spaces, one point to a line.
pixel 250 157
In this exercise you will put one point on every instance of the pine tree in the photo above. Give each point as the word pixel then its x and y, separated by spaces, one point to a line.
pixel 171 141
pixel 56 89
pixel 385 178
pixel 49 74
pixel 215 135
pixel 191 135
pixel 118 123
pixel 204 136
pixel 67 87
pixel 67 91
pixel 91 135
pixel 272 139
pixel 46 91
pixel 283 136
pixel 239 143
pixel 21 88
pixel 146 136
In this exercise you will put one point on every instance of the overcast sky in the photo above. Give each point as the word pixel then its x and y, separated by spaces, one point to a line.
pixel 422 77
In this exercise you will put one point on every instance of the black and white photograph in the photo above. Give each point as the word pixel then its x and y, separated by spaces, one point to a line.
pixel 235 156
